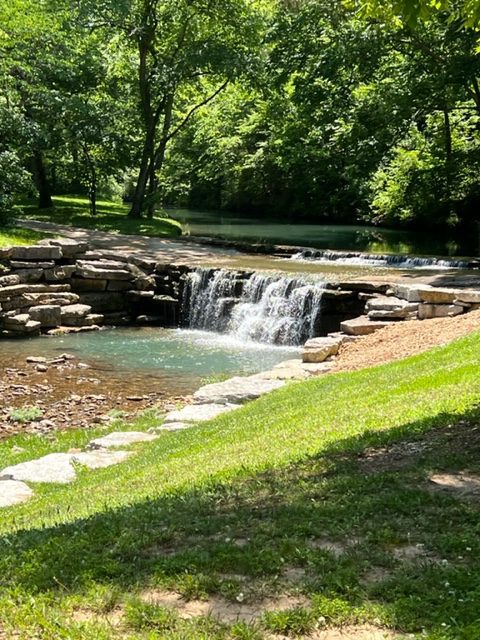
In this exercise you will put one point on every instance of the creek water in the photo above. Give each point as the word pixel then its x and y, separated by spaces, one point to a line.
pixel 174 361
pixel 362 238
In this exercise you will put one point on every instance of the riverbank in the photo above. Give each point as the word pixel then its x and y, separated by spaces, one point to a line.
pixel 314 511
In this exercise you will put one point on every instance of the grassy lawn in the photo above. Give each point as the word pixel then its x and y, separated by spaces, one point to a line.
pixel 16 235
pixel 318 493
pixel 111 216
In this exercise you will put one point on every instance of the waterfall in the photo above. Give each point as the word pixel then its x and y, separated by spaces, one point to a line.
pixel 378 260
pixel 261 307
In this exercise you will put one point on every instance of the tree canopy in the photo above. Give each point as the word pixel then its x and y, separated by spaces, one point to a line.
pixel 298 109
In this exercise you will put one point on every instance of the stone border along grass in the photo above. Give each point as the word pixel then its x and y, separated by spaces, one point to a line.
pixel 209 401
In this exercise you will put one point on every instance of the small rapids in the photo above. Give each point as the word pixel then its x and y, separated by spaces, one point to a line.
pixel 264 308
pixel 378 260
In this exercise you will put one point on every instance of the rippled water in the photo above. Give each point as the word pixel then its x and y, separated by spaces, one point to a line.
pixel 178 359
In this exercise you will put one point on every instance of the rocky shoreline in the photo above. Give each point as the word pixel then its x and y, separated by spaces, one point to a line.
pixel 42 395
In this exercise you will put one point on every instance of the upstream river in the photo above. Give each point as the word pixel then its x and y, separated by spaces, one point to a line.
pixel 363 238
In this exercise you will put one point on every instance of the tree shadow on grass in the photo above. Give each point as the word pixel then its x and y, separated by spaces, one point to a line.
pixel 359 523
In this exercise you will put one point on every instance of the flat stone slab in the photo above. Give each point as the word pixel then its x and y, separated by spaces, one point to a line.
pixel 55 467
pixel 319 349
pixel 236 390
pixel 100 459
pixel 295 369
pixel 13 492
pixel 362 326
pixel 121 439
pixel 199 412
pixel 175 426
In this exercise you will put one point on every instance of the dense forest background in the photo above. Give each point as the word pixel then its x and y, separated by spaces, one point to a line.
pixel 293 109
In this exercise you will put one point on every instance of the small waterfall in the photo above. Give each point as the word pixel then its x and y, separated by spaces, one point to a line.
pixel 378 260
pixel 265 308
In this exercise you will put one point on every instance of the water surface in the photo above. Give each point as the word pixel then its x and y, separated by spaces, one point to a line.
pixel 322 236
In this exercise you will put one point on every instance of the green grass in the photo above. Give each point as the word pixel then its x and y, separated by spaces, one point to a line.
pixel 246 506
pixel 17 235
pixel 111 216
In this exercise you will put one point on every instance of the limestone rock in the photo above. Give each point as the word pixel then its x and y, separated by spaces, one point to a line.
pixel 29 275
pixel 121 439
pixel 438 295
pixel 468 296
pixel 54 467
pixel 9 280
pixel 364 286
pixel 100 459
pixel 174 426
pixel 429 311
pixel 362 326
pixel 68 246
pixel 13 492
pixel 103 269
pixel 319 349
pixel 36 252
pixel 408 292
pixel 236 390
pixel 63 272
pixel 74 312
pixel 48 315
pixel 199 412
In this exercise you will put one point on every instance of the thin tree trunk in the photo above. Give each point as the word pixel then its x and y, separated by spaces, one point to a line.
pixel 448 154
pixel 41 181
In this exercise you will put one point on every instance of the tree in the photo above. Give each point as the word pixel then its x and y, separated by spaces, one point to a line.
pixel 187 52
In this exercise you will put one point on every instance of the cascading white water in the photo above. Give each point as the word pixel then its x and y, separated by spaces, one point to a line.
pixel 264 308
pixel 378 260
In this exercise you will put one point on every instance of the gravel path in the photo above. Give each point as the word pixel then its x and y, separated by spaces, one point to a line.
pixel 403 339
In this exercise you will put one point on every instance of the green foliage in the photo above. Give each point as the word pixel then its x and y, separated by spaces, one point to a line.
pixel 25 414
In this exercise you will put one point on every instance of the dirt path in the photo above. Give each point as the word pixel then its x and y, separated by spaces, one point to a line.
pixel 403 339
pixel 169 251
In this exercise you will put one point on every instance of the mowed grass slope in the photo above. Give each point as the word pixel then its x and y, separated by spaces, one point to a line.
pixel 320 490
pixel 111 216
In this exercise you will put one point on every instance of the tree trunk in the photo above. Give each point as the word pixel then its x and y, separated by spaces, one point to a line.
pixel 40 176
pixel 142 180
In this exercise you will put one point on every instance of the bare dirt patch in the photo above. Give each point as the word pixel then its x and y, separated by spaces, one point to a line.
pixel 113 618
pixel 462 484
pixel 403 339
pixel 462 436
pixel 414 553
pixel 221 609
pixel 349 632
pixel 332 546
pixel 375 575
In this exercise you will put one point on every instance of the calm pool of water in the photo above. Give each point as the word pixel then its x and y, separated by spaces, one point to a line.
pixel 178 359
pixel 342 238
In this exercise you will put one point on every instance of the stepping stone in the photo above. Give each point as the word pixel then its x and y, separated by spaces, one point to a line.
pixel 199 413
pixel 100 459
pixel 121 439
pixel 174 426
pixel 236 390
pixel 55 467
pixel 13 492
